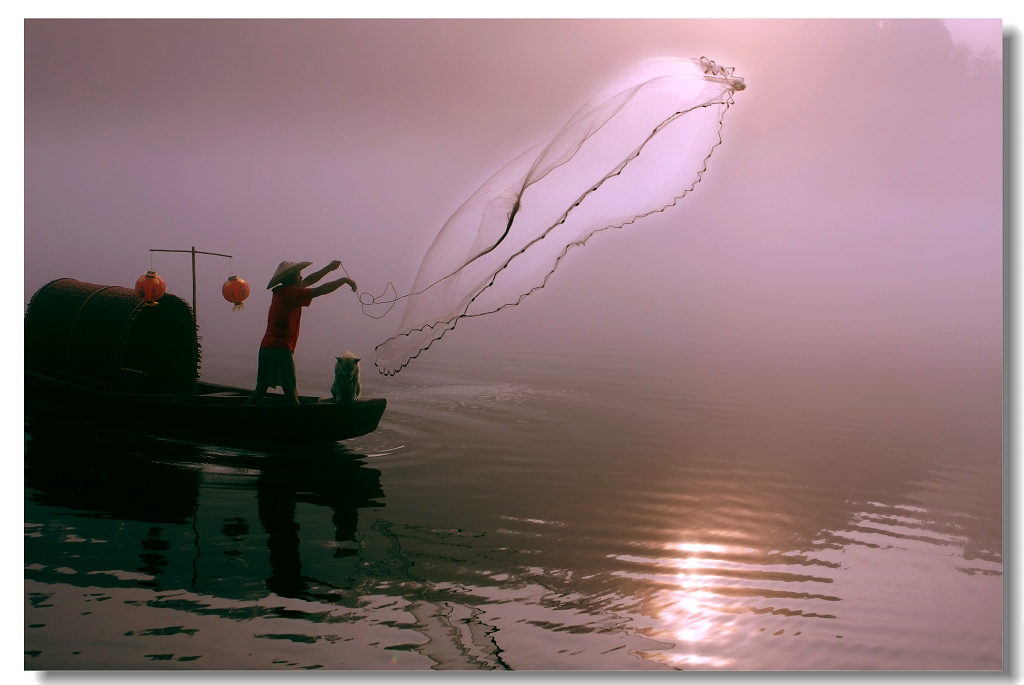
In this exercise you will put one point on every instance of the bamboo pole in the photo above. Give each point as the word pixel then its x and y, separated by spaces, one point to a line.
pixel 194 252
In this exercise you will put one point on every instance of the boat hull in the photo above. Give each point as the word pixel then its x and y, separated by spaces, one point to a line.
pixel 216 414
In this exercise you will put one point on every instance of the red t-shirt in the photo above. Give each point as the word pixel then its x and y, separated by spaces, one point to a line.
pixel 283 320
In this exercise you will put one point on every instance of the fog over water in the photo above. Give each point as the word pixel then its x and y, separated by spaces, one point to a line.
pixel 854 201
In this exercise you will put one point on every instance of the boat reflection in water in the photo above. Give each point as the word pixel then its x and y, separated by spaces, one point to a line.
pixel 261 557
pixel 172 516
pixel 239 550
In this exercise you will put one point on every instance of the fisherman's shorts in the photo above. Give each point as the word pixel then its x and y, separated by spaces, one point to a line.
pixel 276 368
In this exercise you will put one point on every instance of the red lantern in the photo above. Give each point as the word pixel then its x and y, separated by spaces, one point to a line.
pixel 150 287
pixel 235 291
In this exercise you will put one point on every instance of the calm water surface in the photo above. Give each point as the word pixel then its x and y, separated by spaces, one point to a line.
pixel 730 509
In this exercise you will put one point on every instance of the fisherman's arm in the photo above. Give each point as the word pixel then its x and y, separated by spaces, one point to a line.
pixel 332 286
pixel 317 275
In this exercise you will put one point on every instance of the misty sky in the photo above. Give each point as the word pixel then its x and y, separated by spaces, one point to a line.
pixel 856 198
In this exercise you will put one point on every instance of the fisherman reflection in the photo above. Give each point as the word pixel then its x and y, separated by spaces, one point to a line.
pixel 336 482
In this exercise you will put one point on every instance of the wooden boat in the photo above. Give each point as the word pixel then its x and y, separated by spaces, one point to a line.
pixel 215 414
pixel 99 354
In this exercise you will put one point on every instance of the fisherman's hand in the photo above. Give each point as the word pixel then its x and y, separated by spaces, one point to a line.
pixel 353 284
pixel 333 266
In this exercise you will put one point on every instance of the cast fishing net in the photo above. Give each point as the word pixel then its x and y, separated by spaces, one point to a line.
pixel 634 149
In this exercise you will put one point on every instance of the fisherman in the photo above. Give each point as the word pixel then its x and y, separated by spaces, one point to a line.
pixel 277 351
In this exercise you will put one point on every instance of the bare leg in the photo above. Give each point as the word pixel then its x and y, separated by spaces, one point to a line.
pixel 291 395
pixel 258 394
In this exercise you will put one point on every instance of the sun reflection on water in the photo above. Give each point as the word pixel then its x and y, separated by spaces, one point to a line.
pixel 688 603
pixel 691 609
pixel 704 597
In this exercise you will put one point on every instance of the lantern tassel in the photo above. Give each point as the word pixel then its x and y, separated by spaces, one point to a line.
pixel 239 306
